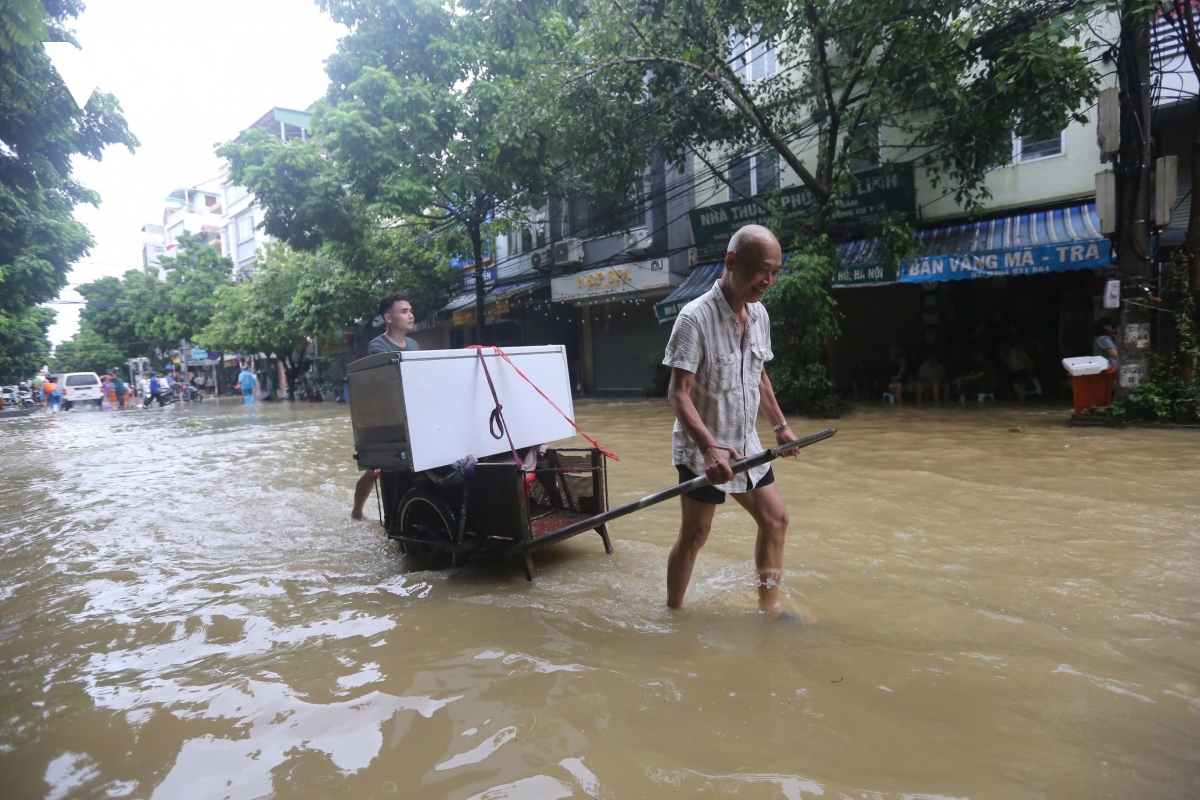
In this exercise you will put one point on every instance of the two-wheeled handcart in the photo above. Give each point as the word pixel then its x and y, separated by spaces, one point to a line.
pixel 417 416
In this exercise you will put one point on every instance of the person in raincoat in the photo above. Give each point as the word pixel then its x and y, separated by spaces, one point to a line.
pixel 247 382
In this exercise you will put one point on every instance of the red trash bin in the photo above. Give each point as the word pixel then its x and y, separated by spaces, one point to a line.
pixel 1092 382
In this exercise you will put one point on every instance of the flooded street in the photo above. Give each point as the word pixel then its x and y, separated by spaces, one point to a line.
pixel 1007 607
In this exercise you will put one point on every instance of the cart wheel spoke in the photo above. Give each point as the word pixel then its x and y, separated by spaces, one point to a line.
pixel 427 526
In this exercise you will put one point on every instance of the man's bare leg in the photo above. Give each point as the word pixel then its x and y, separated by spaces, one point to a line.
pixel 767 507
pixel 693 533
pixel 362 490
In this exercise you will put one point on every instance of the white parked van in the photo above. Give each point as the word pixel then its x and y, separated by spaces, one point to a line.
pixel 80 387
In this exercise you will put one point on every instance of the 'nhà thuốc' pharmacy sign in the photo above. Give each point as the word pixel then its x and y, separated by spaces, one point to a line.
pixel 873 196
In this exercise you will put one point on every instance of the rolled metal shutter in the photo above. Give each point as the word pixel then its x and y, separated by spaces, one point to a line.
pixel 626 348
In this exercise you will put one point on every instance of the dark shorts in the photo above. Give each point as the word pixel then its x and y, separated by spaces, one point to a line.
pixel 711 494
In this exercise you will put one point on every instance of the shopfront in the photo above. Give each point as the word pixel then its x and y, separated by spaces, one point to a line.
pixel 1034 279
pixel 622 340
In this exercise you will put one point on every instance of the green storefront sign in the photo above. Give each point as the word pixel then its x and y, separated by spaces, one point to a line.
pixel 875 195
pixel 868 275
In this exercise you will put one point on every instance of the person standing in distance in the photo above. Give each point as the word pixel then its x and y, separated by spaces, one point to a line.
pixel 719 346
pixel 398 317
pixel 247 383
pixel 119 389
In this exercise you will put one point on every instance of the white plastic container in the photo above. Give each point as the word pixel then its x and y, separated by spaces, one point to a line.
pixel 1085 365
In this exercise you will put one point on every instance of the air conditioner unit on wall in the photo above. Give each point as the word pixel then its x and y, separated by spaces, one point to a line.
pixel 638 241
pixel 540 258
pixel 568 251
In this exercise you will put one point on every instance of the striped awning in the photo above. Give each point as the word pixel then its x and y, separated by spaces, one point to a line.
pixel 1058 240
pixel 504 292
pixel 699 282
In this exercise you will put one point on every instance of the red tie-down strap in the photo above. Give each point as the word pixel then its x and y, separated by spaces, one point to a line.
pixel 580 431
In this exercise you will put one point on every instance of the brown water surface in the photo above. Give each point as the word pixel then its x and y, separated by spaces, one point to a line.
pixel 186 611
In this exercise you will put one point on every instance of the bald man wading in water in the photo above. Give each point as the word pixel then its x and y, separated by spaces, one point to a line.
pixel 717 352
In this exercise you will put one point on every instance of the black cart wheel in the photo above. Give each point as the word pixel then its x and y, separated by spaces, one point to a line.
pixel 427 527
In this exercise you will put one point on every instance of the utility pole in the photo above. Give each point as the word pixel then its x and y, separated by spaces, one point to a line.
pixel 1135 162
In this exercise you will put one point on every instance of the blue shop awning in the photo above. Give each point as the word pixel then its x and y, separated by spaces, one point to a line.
pixel 1037 243
pixel 504 292
pixel 699 282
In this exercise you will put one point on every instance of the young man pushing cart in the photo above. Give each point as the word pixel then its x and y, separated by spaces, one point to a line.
pixel 717 352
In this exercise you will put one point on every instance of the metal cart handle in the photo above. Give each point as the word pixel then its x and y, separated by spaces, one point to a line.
pixel 684 488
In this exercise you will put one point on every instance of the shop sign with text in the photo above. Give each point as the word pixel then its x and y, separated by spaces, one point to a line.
pixel 467 315
pixel 1038 260
pixel 873 196
pixel 489 278
pixel 869 275
pixel 635 277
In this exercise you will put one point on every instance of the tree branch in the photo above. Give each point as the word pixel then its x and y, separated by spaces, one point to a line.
pixel 746 109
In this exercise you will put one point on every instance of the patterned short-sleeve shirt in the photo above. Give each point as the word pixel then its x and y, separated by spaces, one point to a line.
pixel 707 341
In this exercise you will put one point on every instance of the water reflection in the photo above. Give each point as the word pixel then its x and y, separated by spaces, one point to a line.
pixel 187 611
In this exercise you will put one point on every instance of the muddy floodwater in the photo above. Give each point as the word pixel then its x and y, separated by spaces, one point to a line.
pixel 1006 608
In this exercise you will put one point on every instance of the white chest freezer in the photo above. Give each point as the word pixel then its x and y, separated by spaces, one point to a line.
pixel 429 408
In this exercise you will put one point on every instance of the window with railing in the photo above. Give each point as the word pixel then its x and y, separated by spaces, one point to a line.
pixel 1031 148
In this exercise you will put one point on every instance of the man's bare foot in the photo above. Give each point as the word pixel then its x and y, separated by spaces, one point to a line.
pixel 797 618
pixel 356 514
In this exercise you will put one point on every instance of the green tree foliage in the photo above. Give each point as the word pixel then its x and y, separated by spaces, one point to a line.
pixel 1170 391
pixel 947 81
pixel 942 83
pixel 87 352
pixel 270 314
pixel 191 277
pixel 41 130
pixel 416 126
pixel 298 297
pixel 25 348
pixel 335 293
pixel 145 312
pixel 804 322
pixel 123 311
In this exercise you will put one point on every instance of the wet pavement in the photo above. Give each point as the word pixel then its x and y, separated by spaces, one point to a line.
pixel 1007 607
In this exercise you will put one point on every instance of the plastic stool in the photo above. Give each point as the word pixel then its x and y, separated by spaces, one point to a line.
pixel 888 397
pixel 986 396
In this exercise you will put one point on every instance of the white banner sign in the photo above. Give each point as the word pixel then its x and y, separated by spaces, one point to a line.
pixel 635 277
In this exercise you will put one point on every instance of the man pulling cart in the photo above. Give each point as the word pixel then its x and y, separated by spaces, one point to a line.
pixel 416 414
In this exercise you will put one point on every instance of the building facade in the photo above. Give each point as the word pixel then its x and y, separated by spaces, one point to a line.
pixel 587 276
pixel 241 238
pixel 1030 270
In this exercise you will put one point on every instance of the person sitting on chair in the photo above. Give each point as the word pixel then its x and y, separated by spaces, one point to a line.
pixel 932 375
pixel 897 377
pixel 981 379
pixel 1020 367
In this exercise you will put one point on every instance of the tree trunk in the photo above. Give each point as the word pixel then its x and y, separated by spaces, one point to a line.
pixel 477 246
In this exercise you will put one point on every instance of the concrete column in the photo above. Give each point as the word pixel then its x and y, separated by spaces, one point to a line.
pixel 1135 162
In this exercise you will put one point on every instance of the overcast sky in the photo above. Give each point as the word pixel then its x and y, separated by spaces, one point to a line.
pixel 189 74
